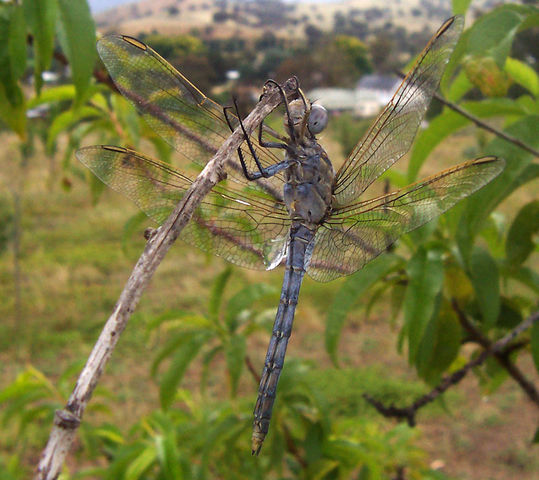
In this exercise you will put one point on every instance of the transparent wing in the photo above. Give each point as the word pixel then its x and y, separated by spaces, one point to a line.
pixel 176 109
pixel 354 235
pixel 393 132
pixel 239 223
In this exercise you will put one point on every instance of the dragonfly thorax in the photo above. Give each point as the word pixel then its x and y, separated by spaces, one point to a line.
pixel 309 182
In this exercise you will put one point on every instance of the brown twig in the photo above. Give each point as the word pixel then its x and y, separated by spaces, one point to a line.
pixel 501 356
pixel 67 421
pixel 481 124
pixel 252 369
pixel 501 347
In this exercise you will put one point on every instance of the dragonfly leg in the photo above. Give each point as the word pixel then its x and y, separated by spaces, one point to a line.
pixel 262 171
pixel 248 175
pixel 287 110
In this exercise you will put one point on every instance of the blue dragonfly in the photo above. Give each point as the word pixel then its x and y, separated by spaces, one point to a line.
pixel 282 202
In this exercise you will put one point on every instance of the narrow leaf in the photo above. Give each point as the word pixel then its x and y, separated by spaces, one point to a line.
pixel 349 294
pixel 450 122
pixel 439 346
pixel 174 375
pixel 77 37
pixel 460 6
pixel 493 33
pixel 425 273
pixel 12 61
pixel 243 300
pixel 518 170
pixel 141 463
pixel 58 93
pixel 168 455
pixel 484 275
pixel 235 350
pixel 523 74
pixel 520 238
pixel 41 18
pixel 66 120
pixel 216 295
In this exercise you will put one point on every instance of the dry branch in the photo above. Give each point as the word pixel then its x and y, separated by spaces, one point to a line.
pixel 497 349
pixel 67 421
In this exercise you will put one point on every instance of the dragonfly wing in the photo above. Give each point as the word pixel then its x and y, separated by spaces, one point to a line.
pixel 239 223
pixel 176 109
pixel 393 132
pixel 356 234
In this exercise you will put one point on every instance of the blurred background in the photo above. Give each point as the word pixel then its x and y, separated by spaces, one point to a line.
pixel 176 399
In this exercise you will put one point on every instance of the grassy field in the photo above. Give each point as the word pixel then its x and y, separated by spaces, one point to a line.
pixel 73 266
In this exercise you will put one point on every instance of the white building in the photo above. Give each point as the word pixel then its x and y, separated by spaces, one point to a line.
pixel 373 92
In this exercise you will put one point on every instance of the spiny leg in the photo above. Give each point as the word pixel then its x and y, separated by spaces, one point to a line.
pixel 265 172
pixel 307 106
pixel 287 110
pixel 248 175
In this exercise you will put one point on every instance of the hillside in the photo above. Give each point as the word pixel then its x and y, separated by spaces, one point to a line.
pixel 221 18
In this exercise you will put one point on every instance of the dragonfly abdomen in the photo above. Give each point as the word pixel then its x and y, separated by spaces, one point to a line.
pixel 300 248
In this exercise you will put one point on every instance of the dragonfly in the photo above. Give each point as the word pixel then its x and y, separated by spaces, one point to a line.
pixel 282 202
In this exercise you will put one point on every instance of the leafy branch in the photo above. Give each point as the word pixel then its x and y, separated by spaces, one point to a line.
pixel 480 123
pixel 500 350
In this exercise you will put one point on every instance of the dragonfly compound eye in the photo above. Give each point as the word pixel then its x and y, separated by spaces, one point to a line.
pixel 318 119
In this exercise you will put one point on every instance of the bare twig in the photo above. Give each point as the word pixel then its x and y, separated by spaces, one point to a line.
pixel 501 356
pixel 252 369
pixel 481 124
pixel 68 420
pixel 501 347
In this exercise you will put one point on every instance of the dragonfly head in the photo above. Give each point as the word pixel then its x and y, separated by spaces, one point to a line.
pixel 306 117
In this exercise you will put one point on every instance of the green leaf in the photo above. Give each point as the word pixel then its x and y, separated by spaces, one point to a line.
pixel 174 375
pixel 175 342
pixel 349 294
pixel 235 350
pixel 66 120
pixel 439 346
pixel 12 64
pixel 41 18
pixel 17 43
pixel 77 37
pixel 216 295
pixel 523 74
pixel 141 463
pixel 167 454
pixel 217 432
pixel 484 274
pixel 518 170
pixel 425 274
pixel 520 238
pixel 55 94
pixel 510 314
pixel 534 341
pixel 450 122
pixel 492 34
pixel 460 6
pixel 206 364
pixel 526 276
pixel 459 87
pixel 243 300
